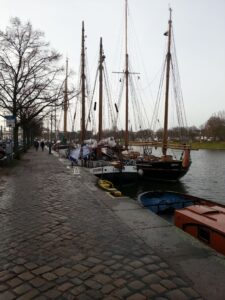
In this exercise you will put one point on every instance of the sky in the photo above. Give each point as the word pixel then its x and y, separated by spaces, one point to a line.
pixel 199 29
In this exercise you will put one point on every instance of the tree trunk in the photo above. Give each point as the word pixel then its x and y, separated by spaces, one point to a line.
pixel 15 141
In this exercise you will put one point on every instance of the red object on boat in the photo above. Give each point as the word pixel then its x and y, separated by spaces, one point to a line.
pixel 205 222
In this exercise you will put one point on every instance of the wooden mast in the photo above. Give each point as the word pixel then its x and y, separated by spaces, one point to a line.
pixel 65 106
pixel 101 60
pixel 168 60
pixel 83 77
pixel 126 142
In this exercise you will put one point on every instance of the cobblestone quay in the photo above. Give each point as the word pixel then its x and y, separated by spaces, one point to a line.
pixel 63 238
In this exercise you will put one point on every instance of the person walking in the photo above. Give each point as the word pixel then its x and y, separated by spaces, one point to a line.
pixel 36 145
pixel 42 145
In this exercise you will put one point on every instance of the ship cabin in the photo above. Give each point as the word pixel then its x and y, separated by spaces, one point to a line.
pixel 206 223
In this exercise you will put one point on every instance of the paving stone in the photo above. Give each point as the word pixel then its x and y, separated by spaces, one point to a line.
pixel 140 272
pixel 49 276
pixel 14 282
pixel 136 296
pixel 53 293
pixel 119 282
pixel 20 261
pixel 152 267
pixel 80 268
pixel 78 290
pixel 190 292
pixel 30 266
pixel 85 275
pixel 150 294
pixel 72 274
pixel 61 280
pixel 162 274
pixel 26 276
pixel 151 278
pixel 136 264
pixel 97 268
pixel 6 277
pixel 41 270
pixel 29 295
pixel 107 288
pixel 41 297
pixel 76 281
pixel 65 286
pixel 47 286
pixel 94 260
pixel 95 294
pixel 136 285
pixel 84 296
pixel 169 284
pixel 37 282
pixel 158 288
pixel 109 262
pixel 3 287
pixel 92 284
pixel 102 278
pixel 122 293
pixel 7 296
pixel 176 294
pixel 3 273
pixel 22 289
pixel 117 257
pixel 180 282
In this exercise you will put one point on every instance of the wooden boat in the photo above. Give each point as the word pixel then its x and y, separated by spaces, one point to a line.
pixel 206 223
pixel 117 172
pixel 203 219
pixel 123 168
pixel 163 202
pixel 167 167
pixel 109 187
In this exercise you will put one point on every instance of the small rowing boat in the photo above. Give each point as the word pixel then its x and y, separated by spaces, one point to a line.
pixel 109 187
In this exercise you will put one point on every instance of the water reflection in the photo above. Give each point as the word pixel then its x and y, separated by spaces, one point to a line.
pixel 141 186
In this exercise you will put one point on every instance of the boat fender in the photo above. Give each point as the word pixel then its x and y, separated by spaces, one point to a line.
pixel 116 193
pixel 186 158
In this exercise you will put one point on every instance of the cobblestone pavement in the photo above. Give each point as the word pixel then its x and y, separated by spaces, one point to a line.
pixel 59 241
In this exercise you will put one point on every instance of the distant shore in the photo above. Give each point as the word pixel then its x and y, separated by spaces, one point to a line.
pixel 208 145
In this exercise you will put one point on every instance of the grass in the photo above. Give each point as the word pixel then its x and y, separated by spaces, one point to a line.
pixel 208 145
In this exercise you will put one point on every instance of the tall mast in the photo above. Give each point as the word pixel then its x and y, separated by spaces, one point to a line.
pixel 168 60
pixel 126 81
pixel 83 77
pixel 101 60
pixel 65 106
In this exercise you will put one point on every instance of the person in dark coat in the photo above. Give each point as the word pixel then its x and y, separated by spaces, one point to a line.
pixel 36 145
pixel 42 145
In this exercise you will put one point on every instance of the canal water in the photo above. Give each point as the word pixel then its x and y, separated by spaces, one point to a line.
pixel 205 178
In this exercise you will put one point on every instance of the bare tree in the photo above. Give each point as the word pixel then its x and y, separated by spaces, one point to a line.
pixel 29 74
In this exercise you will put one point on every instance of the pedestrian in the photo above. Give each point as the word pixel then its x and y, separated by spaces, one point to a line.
pixel 36 145
pixel 49 147
pixel 42 145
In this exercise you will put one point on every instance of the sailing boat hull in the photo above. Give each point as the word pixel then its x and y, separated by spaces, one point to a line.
pixel 126 174
pixel 162 170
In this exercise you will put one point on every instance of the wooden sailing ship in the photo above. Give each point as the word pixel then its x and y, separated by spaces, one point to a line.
pixel 117 169
pixel 165 167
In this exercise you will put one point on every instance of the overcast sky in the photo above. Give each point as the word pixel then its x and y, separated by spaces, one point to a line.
pixel 199 27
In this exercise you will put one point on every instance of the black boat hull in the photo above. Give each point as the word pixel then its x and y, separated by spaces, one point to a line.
pixel 162 170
